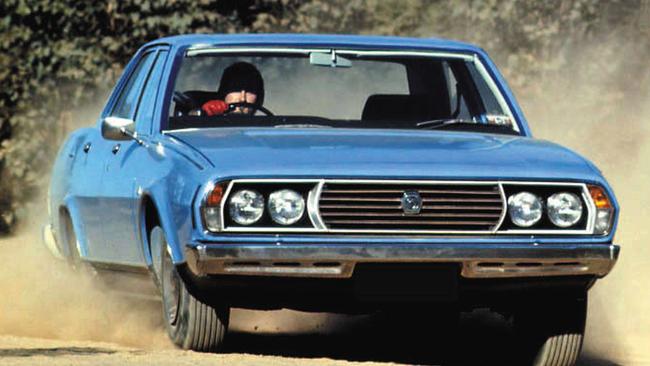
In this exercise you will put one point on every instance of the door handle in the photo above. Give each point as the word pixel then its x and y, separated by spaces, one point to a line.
pixel 86 148
pixel 116 148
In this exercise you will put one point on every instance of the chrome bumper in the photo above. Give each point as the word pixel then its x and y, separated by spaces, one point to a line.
pixel 339 260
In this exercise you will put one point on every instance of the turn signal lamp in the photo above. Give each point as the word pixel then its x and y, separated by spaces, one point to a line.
pixel 212 207
pixel 215 196
pixel 604 210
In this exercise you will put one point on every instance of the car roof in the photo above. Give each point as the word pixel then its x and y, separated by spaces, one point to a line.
pixel 317 40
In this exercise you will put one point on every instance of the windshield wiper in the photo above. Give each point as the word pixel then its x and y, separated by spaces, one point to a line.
pixel 302 125
pixel 437 123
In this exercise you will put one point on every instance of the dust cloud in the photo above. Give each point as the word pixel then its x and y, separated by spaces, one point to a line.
pixel 600 109
pixel 600 113
pixel 41 296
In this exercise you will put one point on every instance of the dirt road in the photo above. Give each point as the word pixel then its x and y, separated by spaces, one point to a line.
pixel 483 345
pixel 51 315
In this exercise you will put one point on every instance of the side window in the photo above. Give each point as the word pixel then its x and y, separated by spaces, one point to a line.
pixel 128 99
pixel 147 103
pixel 492 106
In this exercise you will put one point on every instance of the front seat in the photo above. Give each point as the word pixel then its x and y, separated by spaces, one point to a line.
pixel 403 107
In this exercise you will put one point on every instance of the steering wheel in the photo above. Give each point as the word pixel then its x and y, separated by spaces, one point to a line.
pixel 233 106
pixel 184 100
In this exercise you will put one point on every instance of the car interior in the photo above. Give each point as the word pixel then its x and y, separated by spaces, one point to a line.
pixel 383 92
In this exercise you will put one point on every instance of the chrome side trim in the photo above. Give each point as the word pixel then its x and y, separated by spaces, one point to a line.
pixel 476 260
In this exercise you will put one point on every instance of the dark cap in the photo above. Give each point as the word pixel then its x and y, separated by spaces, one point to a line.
pixel 242 76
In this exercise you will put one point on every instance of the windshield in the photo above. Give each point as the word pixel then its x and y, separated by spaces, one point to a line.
pixel 334 89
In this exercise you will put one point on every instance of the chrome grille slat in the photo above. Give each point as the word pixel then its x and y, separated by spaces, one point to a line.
pixel 397 214
pixel 425 207
pixel 414 222
pixel 423 191
pixel 424 199
pixel 453 207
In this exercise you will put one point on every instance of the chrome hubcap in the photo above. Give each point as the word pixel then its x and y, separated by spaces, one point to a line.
pixel 171 291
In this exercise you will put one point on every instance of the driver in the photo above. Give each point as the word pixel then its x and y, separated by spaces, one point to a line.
pixel 241 82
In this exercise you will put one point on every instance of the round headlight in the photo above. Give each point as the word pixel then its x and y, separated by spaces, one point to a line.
pixel 246 207
pixel 564 209
pixel 525 209
pixel 286 206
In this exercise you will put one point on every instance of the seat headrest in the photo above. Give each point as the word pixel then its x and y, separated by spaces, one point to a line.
pixel 403 107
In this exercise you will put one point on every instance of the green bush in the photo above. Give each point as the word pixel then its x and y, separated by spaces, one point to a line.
pixel 58 56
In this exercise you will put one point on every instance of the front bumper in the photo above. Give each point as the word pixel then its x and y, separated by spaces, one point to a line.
pixel 339 260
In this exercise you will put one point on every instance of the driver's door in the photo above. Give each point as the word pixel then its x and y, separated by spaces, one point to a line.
pixel 117 187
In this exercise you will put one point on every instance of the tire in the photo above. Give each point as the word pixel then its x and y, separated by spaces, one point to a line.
pixel 552 332
pixel 191 324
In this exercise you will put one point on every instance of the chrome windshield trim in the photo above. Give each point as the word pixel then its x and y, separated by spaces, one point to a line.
pixel 495 90
pixel 201 50
pixel 208 50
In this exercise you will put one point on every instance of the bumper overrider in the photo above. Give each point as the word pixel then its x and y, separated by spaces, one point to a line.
pixel 338 260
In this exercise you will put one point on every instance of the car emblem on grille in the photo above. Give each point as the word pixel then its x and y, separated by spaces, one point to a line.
pixel 411 202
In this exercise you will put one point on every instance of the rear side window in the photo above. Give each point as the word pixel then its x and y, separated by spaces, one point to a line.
pixel 128 99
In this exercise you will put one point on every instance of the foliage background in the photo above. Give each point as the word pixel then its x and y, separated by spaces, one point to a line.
pixel 59 56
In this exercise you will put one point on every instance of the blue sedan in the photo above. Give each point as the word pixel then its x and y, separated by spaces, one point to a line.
pixel 332 173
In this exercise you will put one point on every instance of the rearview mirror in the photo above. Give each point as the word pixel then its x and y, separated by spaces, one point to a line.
pixel 116 128
pixel 330 59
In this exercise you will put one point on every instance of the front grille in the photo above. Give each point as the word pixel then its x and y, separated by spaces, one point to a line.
pixel 446 207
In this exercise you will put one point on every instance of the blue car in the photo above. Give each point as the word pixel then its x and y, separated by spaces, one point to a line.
pixel 348 174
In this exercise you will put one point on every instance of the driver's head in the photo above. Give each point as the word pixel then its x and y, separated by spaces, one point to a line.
pixel 242 82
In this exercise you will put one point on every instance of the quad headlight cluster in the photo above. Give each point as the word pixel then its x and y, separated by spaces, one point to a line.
pixel 285 206
pixel 563 210
pixel 249 206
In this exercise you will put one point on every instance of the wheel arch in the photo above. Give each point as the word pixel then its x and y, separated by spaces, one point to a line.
pixel 69 219
pixel 153 212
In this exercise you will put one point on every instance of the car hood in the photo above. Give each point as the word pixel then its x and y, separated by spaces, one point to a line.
pixel 370 153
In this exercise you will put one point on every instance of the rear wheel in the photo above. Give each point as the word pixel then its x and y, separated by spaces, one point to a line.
pixel 190 323
pixel 552 331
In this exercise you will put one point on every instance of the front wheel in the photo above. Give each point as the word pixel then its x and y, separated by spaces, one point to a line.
pixel 552 331
pixel 190 323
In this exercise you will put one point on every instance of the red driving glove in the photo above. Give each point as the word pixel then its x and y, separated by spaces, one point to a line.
pixel 214 107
